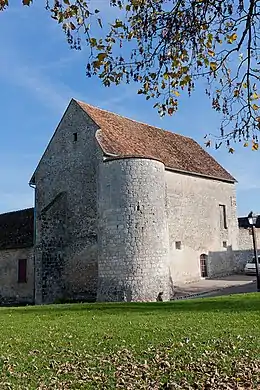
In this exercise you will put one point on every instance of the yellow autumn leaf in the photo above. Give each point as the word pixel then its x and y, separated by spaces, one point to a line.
pixel 213 66
pixel 255 96
pixel 255 107
pixel 255 146
pixel 246 144
pixel 176 93
pixel 236 93
pixel 231 150
pixel 211 53
pixel 231 38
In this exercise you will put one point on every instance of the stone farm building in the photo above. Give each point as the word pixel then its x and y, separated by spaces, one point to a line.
pixel 123 211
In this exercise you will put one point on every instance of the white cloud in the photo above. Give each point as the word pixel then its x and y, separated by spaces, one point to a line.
pixel 54 95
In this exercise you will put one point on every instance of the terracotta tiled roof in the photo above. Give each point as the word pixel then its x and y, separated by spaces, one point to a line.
pixel 16 229
pixel 124 137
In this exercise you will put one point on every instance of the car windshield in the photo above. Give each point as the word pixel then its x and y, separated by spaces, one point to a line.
pixel 252 261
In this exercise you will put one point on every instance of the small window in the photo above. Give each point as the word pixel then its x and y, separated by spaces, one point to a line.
pixel 223 216
pixel 75 137
pixel 224 244
pixel 22 270
pixel 178 245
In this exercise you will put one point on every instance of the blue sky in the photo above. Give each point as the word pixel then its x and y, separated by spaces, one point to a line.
pixel 39 75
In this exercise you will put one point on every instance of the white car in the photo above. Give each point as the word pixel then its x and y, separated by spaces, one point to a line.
pixel 250 267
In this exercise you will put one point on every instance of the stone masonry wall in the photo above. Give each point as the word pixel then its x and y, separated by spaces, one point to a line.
pixel 52 222
pixel 194 225
pixel 66 240
pixel 132 236
pixel 12 292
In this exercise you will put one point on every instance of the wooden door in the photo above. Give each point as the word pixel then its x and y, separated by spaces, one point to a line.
pixel 203 266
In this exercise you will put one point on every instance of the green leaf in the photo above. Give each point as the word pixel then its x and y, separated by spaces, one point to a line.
pixel 93 42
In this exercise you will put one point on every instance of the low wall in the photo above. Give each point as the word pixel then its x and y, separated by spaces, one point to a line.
pixel 11 291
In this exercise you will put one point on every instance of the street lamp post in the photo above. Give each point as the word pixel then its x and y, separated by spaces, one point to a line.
pixel 252 222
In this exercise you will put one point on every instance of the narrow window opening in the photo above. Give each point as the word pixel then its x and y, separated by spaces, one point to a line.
pixel 224 244
pixel 203 265
pixel 178 245
pixel 22 270
pixel 223 216
pixel 75 137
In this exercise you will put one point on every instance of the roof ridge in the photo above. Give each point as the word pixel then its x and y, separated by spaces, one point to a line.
pixel 134 120
pixel 17 211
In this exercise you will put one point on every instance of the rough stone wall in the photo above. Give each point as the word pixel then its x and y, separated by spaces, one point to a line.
pixel 12 292
pixel 66 211
pixel 245 251
pixel 132 236
pixel 194 220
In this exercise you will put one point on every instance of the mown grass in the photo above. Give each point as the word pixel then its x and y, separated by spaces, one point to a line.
pixel 196 344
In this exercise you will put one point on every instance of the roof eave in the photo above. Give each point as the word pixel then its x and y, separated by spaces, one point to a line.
pixel 116 156
pixel 211 177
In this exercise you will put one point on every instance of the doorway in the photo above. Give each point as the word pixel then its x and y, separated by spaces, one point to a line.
pixel 203 265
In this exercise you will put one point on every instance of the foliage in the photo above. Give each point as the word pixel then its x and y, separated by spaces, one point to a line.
pixel 167 46
pixel 196 344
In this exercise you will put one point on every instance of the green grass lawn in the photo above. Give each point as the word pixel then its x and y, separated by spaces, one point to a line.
pixel 196 344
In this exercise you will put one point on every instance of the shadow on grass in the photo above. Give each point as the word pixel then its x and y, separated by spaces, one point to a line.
pixel 237 303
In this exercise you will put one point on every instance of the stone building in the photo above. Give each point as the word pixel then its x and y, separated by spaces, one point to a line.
pixel 16 257
pixel 124 211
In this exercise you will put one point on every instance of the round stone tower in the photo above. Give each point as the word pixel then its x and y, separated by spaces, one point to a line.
pixel 132 235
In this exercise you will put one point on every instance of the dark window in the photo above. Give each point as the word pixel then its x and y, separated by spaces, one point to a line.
pixel 75 137
pixel 223 216
pixel 22 270
pixel 178 245
pixel 224 244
